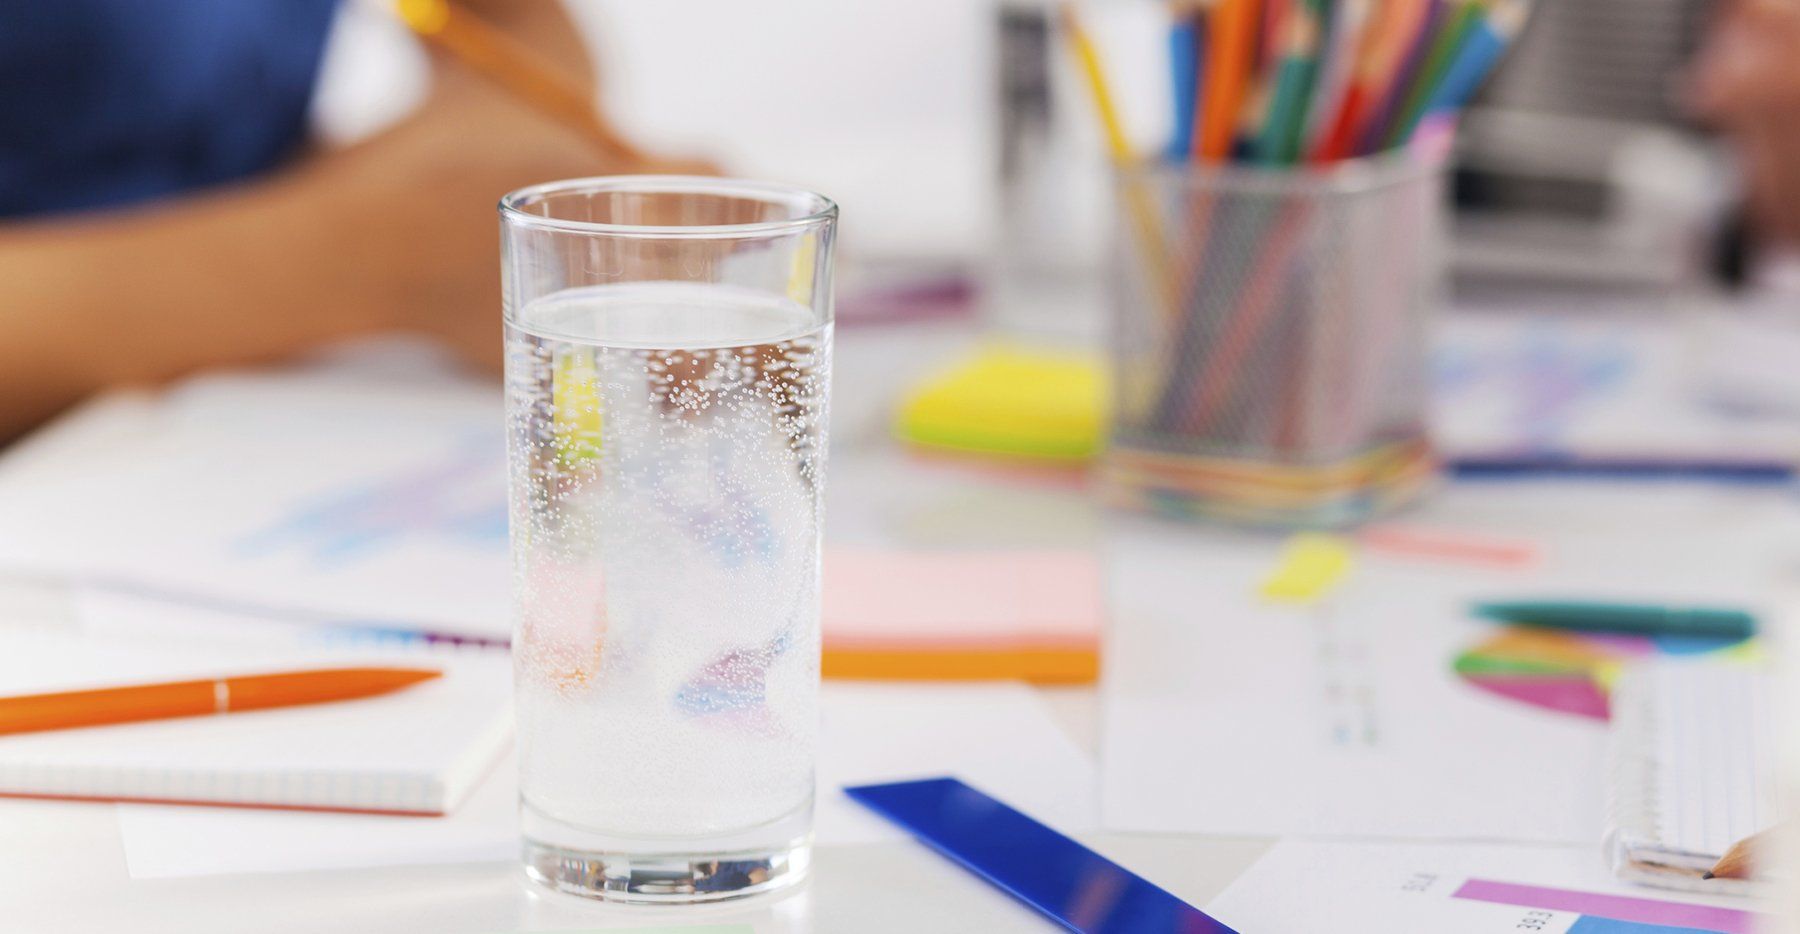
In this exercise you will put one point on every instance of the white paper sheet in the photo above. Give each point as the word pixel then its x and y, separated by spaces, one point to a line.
pixel 329 495
pixel 1223 713
pixel 1303 887
pixel 997 737
pixel 1634 383
pixel 164 841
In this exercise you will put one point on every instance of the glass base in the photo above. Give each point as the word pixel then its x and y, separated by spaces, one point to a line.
pixel 666 878
pixel 661 870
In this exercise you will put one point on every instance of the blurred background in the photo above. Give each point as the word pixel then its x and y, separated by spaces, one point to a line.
pixel 1543 336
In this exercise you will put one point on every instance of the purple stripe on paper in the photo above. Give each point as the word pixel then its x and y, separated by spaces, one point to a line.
pixel 1616 907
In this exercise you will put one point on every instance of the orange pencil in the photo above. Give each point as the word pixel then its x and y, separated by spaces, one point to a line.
pixel 1231 37
pixel 67 709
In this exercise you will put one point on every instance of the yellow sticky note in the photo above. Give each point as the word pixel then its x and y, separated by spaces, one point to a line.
pixel 1311 564
pixel 1012 401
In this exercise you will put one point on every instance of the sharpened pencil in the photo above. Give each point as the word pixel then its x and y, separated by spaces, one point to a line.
pixel 1739 862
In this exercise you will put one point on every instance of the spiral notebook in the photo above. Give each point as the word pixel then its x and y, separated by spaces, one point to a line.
pixel 1692 771
pixel 421 750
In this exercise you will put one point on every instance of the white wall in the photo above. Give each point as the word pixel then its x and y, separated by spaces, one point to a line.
pixel 884 107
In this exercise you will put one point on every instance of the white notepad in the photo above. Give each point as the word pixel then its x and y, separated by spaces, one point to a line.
pixel 420 750
pixel 1692 770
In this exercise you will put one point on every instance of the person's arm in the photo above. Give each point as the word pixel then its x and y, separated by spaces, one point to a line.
pixel 398 232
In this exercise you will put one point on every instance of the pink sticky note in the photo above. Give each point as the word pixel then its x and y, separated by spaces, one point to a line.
pixel 879 598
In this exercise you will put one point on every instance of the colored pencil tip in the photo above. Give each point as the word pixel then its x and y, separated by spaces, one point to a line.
pixel 1707 874
pixel 424 16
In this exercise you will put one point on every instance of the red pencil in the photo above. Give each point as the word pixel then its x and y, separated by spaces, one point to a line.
pixel 1383 46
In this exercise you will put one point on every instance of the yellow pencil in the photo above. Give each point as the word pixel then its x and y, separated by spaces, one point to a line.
pixel 1137 198
pixel 515 68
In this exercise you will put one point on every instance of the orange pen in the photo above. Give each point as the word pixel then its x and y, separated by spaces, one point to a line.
pixel 66 709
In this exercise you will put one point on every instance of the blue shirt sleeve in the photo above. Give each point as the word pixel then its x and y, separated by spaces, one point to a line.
pixel 105 103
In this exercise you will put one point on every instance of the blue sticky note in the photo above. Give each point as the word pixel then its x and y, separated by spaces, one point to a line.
pixel 1075 886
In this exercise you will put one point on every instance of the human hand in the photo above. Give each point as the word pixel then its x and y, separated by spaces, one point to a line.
pixel 1746 81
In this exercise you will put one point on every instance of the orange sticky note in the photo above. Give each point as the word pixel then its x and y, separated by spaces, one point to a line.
pixel 962 615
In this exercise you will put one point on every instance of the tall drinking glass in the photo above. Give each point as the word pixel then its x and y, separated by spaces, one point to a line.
pixel 668 356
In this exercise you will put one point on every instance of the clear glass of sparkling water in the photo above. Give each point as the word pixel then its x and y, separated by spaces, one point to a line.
pixel 668 360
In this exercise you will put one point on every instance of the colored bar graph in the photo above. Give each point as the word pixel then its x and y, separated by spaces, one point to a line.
pixel 1588 924
pixel 1641 915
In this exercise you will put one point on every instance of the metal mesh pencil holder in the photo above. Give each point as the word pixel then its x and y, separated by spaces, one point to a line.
pixel 1268 340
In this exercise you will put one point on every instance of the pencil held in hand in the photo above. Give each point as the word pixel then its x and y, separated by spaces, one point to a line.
pixel 68 709
pixel 513 66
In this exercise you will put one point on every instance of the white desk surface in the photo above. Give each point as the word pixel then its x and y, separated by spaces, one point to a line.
pixel 62 869
pixel 62 865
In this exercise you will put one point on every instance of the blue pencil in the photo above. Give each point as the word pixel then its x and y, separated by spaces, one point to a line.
pixel 1184 68
pixel 1478 56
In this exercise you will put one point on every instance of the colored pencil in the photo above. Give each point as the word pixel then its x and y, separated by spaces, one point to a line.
pixel 1279 143
pixel 1476 59
pixel 1203 52
pixel 1337 60
pixel 1380 47
pixel 1269 28
pixel 1386 110
pixel 69 709
pixel 516 69
pixel 1087 55
pixel 1184 74
pixel 1143 210
pixel 1444 50
pixel 1231 35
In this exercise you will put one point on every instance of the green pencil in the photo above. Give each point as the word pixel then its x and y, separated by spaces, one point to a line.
pixel 1637 619
pixel 1285 124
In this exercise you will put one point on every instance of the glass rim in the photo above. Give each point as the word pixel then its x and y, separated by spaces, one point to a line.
pixel 1346 176
pixel 810 208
